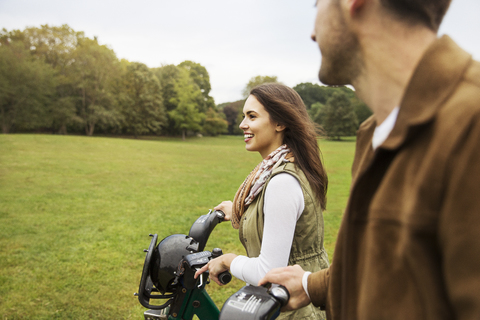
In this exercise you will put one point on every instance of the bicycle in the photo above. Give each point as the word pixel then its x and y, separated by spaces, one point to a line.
pixel 168 273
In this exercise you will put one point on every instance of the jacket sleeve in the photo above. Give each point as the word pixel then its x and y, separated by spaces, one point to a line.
pixel 318 286
pixel 459 227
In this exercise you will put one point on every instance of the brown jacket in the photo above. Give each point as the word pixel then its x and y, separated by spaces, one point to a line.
pixel 409 243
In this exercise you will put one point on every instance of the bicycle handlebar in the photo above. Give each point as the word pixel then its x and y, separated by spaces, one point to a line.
pixel 168 273
pixel 253 303
pixel 203 227
pixel 187 251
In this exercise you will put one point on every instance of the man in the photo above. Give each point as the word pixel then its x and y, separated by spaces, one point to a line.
pixel 409 243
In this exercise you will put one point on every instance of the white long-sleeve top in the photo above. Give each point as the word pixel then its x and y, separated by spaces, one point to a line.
pixel 283 206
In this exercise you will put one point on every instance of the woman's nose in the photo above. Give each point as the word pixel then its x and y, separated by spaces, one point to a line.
pixel 242 124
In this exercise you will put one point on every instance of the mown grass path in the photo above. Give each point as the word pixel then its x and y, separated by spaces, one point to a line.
pixel 75 214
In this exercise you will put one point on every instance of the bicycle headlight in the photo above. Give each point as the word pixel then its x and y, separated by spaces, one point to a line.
pixel 166 258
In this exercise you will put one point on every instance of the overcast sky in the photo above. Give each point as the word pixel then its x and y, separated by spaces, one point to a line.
pixel 234 39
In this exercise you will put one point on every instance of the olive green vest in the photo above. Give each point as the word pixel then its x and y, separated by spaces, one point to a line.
pixel 307 247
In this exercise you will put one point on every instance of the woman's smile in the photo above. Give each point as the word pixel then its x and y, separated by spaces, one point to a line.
pixel 247 136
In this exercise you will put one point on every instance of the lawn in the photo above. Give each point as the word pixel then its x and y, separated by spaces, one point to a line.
pixel 75 214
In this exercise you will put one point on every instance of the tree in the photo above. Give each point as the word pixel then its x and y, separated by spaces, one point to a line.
pixel 255 81
pixel 186 116
pixel 53 44
pixel 89 89
pixel 201 78
pixel 233 116
pixel 215 124
pixel 222 105
pixel 359 107
pixel 316 112
pixel 199 75
pixel 185 84
pixel 337 116
pixel 141 100
pixel 26 85
pixel 312 93
pixel 362 111
pixel 168 76
pixel 96 69
pixel 57 46
pixel 63 112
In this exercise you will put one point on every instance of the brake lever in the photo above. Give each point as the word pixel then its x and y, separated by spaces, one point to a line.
pixel 203 226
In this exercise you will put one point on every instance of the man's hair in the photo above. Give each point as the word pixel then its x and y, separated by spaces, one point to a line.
pixel 429 13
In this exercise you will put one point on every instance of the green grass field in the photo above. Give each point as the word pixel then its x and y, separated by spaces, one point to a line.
pixel 75 214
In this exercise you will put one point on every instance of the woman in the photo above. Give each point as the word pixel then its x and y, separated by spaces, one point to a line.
pixel 278 208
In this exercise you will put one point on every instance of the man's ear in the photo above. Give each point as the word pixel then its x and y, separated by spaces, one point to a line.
pixel 279 128
pixel 355 6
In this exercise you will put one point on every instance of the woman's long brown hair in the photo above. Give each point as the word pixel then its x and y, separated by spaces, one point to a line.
pixel 286 107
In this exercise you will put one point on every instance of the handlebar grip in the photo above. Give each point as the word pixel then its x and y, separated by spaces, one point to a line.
pixel 220 215
pixel 224 277
pixel 280 293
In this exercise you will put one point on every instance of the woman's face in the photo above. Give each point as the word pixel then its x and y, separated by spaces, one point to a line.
pixel 260 133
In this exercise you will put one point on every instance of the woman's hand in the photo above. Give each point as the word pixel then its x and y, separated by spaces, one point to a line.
pixel 225 207
pixel 217 266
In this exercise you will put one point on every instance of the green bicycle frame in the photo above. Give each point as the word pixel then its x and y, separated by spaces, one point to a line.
pixel 185 305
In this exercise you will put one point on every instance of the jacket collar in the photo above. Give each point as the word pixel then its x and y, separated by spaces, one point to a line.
pixel 433 81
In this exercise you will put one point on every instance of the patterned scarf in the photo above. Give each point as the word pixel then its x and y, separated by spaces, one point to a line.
pixel 255 181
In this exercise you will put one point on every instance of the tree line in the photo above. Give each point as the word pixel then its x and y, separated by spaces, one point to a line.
pixel 55 79
pixel 336 109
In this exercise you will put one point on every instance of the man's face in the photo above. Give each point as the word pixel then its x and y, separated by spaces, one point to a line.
pixel 337 44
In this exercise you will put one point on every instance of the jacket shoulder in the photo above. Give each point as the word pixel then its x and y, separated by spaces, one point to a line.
pixel 472 74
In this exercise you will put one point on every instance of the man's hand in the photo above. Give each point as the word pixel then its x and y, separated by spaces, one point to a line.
pixel 291 278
